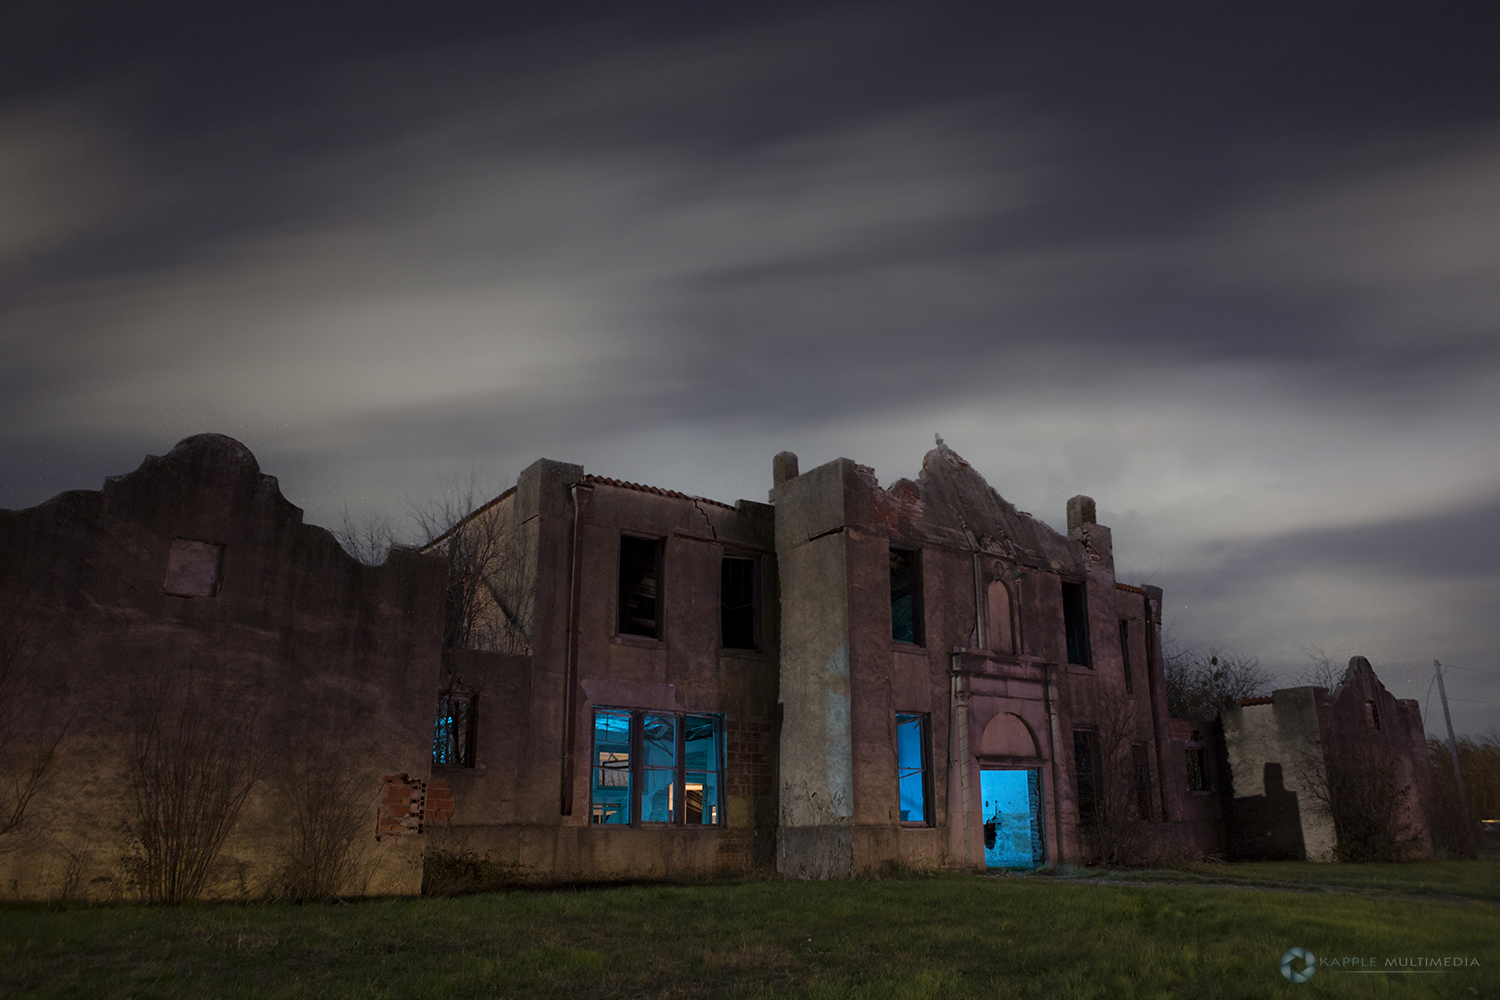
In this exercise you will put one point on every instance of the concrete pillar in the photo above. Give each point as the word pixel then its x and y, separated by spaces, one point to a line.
pixel 815 839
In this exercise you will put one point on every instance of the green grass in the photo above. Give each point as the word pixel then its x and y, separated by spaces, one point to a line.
pixel 1465 879
pixel 947 937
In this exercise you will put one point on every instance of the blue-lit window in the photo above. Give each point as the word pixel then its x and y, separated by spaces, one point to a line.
pixel 911 767
pixel 656 768
pixel 453 736
pixel 612 785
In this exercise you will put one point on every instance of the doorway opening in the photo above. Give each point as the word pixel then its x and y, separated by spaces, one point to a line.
pixel 1012 819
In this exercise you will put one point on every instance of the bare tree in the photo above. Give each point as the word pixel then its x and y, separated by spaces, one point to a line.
pixel 1120 833
pixel 1321 672
pixel 368 540
pixel 30 728
pixel 1201 684
pixel 491 558
pixel 193 763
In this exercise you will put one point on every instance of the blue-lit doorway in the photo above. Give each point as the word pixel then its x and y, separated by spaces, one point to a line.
pixel 1012 819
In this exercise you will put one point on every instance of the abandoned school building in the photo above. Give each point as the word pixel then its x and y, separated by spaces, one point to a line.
pixel 633 682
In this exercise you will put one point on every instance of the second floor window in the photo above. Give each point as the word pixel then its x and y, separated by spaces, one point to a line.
pixel 640 586
pixel 1076 623
pixel 906 596
pixel 738 604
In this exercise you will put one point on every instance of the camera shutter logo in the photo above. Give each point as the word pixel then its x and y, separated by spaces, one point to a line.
pixel 1309 965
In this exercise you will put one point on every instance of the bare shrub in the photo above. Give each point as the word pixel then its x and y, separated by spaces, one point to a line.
pixel 457 873
pixel 1361 789
pixel 192 764
pixel 30 729
pixel 328 806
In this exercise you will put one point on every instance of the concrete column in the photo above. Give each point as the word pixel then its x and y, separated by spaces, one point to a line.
pixel 815 839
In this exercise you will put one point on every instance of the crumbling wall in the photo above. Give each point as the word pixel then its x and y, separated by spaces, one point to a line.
pixel 192 582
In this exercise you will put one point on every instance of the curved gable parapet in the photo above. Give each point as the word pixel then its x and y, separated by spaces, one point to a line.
pixel 149 535
pixel 951 503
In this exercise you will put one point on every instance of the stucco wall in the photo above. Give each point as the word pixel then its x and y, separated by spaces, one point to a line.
pixel 334 663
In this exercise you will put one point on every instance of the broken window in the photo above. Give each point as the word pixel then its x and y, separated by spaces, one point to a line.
pixel 911 767
pixel 194 569
pixel 640 586
pixel 1083 773
pixel 737 604
pixel 656 767
pixel 1197 764
pixel 906 596
pixel 453 738
pixel 612 789
pixel 1142 766
pixel 1125 655
pixel 1076 623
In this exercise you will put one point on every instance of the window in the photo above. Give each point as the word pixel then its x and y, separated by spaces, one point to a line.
pixel 1142 766
pixel 911 767
pixel 1076 622
pixel 737 604
pixel 906 596
pixel 656 768
pixel 453 738
pixel 1372 715
pixel 194 569
pixel 640 586
pixel 1083 771
pixel 1125 655
pixel 1197 764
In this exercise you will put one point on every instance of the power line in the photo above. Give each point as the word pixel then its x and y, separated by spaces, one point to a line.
pixel 1477 670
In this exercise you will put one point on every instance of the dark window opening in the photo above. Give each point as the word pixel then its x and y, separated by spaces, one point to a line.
pixel 911 767
pixel 640 586
pixel 1084 771
pixel 1076 623
pixel 1125 656
pixel 656 767
pixel 1142 766
pixel 737 604
pixel 906 596
pixel 453 737
pixel 1197 764
pixel 1373 714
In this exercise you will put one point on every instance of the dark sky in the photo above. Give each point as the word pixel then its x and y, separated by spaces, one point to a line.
pixel 1234 274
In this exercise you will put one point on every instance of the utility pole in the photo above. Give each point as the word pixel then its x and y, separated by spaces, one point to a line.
pixel 1463 799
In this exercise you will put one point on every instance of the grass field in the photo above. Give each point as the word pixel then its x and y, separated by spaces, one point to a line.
pixel 1093 934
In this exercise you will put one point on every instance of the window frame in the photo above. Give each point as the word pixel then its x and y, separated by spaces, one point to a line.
pixel 636 769
pixel 462 756
pixel 1194 750
pixel 1076 623
pixel 1084 779
pixel 923 722
pixel 918 616
pixel 1140 761
pixel 755 602
pixel 622 596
